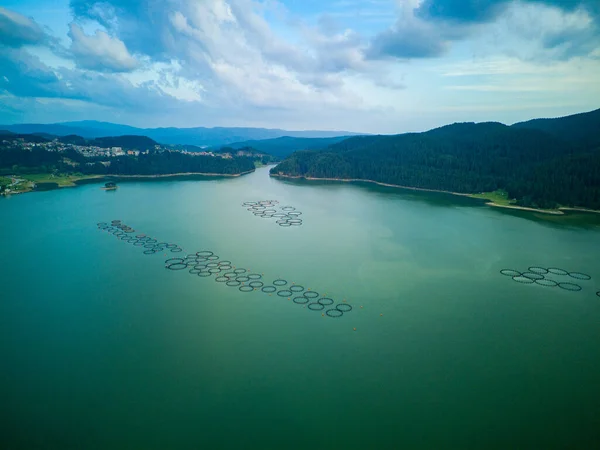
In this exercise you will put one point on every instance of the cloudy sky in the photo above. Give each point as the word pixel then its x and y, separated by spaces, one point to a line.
pixel 380 66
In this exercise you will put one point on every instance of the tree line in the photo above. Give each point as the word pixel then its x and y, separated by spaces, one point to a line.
pixel 15 160
pixel 536 168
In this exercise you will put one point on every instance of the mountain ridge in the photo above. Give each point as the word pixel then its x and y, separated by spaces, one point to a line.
pixel 581 128
pixel 201 136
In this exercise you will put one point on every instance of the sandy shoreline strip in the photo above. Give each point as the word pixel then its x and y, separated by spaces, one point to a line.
pixel 556 212
pixel 352 180
pixel 183 174
pixel 566 208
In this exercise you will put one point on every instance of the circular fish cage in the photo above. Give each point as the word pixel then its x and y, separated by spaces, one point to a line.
pixel 580 276
pixel 343 307
pixel 510 273
pixel 532 276
pixel 269 289
pixel 570 287
pixel 174 260
pixel 524 280
pixel 326 301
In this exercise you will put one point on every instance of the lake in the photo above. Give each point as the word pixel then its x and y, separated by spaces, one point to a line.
pixel 102 347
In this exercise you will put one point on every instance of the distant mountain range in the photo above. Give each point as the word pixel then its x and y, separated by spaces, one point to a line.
pixel 200 136
pixel 286 145
pixel 128 142
pixel 279 148
pixel 541 163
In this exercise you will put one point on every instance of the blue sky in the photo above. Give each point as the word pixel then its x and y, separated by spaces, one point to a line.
pixel 379 66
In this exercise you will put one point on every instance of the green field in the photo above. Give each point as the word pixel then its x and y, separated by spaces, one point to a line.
pixel 28 181
pixel 498 197
pixel 61 180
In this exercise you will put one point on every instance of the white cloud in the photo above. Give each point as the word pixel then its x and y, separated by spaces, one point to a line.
pixel 17 30
pixel 255 63
pixel 100 52
pixel 535 31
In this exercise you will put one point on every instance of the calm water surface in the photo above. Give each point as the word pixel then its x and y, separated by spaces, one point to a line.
pixel 101 347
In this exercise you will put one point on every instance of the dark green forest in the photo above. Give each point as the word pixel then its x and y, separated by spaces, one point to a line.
pixel 581 129
pixel 286 145
pixel 538 168
pixel 14 160
pixel 142 143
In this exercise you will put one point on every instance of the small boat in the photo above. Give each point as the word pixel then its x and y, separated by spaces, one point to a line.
pixel 110 186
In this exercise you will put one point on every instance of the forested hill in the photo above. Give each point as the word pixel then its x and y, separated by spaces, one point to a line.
pixel 535 167
pixel 582 129
pixel 128 142
pixel 16 160
pixel 286 145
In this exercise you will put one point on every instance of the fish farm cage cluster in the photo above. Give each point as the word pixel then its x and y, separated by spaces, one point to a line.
pixel 206 263
pixel 286 216
pixel 549 277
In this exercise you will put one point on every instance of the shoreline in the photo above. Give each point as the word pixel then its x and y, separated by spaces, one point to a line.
pixel 587 210
pixel 181 174
pixel 77 181
pixel 358 180
pixel 555 212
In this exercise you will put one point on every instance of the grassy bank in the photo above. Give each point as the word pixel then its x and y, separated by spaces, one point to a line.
pixel 60 179
pixel 498 197
pixel 26 182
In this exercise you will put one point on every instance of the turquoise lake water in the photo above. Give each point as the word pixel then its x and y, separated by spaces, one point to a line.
pixel 102 347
